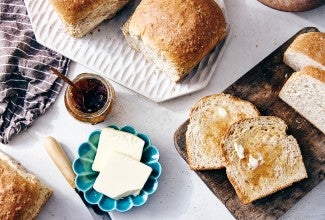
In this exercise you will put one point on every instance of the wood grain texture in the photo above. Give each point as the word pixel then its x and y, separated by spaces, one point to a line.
pixel 261 86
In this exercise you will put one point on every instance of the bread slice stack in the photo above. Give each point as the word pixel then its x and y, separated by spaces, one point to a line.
pixel 261 158
pixel 210 119
pixel 304 91
pixel 22 195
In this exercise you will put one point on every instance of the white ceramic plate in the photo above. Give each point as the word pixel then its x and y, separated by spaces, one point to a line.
pixel 105 51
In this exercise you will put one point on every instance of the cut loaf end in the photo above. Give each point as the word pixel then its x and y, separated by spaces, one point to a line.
pixel 304 91
pixel 79 22
pixel 137 43
pixel 306 50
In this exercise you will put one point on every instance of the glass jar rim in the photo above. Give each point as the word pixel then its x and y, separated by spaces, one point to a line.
pixel 110 95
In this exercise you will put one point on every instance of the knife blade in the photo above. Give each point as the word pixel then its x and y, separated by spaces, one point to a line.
pixel 62 162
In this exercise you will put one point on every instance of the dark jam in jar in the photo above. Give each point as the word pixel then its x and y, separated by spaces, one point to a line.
pixel 93 97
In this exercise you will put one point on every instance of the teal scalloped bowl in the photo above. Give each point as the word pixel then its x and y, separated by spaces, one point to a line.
pixel 85 176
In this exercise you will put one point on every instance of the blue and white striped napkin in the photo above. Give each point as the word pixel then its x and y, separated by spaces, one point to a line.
pixel 27 86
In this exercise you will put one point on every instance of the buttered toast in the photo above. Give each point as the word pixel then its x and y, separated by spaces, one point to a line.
pixel 260 158
pixel 210 119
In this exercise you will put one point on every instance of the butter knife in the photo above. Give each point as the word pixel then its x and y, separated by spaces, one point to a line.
pixel 62 162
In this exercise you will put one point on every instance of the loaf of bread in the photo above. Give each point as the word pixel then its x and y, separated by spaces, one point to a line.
pixel 82 16
pixel 22 195
pixel 292 5
pixel 260 158
pixel 306 50
pixel 175 35
pixel 210 119
pixel 304 91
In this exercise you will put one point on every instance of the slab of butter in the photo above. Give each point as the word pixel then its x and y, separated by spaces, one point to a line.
pixel 117 141
pixel 121 176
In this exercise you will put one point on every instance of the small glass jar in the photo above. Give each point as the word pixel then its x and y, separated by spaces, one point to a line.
pixel 95 101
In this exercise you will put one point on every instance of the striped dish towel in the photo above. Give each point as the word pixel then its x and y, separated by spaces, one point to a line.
pixel 27 86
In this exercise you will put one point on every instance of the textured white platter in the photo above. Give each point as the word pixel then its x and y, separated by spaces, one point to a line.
pixel 105 51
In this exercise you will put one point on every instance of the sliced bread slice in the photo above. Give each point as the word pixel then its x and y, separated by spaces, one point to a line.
pixel 304 91
pixel 210 119
pixel 260 158
pixel 306 50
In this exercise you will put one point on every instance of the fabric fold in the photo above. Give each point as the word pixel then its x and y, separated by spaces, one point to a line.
pixel 27 86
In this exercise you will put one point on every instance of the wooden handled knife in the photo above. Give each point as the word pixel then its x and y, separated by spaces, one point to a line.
pixel 63 163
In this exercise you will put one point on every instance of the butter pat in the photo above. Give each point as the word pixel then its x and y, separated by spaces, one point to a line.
pixel 117 141
pixel 239 150
pixel 221 112
pixel 121 176
pixel 253 163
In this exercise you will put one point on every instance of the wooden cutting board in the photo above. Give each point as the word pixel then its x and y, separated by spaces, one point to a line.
pixel 261 86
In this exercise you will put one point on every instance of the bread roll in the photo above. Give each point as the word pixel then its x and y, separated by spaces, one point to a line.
pixel 22 195
pixel 306 50
pixel 210 119
pixel 175 35
pixel 293 5
pixel 260 158
pixel 304 91
pixel 82 16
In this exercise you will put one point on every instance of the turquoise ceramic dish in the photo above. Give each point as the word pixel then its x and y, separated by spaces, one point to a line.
pixel 86 176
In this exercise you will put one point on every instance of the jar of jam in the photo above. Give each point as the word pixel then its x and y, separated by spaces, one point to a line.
pixel 92 98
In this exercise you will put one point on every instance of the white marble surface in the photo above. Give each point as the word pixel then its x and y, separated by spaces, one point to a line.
pixel 255 32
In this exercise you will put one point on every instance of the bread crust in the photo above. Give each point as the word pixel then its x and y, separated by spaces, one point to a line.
pixel 228 96
pixel 218 127
pixel 72 11
pixel 181 31
pixel 304 91
pixel 82 16
pixel 275 172
pixel 314 72
pixel 22 195
pixel 311 44
pixel 292 5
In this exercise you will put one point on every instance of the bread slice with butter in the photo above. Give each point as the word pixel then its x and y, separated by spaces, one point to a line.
pixel 210 119
pixel 260 158
pixel 121 176
pixel 117 141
